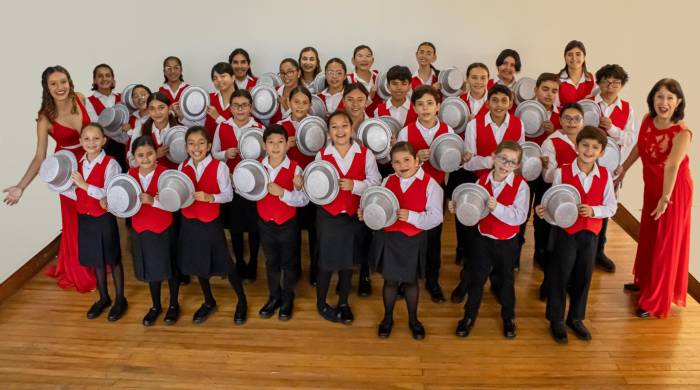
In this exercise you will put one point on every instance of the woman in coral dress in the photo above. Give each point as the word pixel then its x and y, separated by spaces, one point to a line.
pixel 661 264
pixel 61 117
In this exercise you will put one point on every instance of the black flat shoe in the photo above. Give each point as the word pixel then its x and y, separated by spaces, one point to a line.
pixel 384 329
pixel 97 308
pixel 464 327
pixel 345 313
pixel 417 330
pixel 435 292
pixel 286 311
pixel 150 318
pixel 172 315
pixel 364 289
pixel 459 293
pixel 118 310
pixel 641 313
pixel 631 287
pixel 328 313
pixel 558 332
pixel 579 329
pixel 240 315
pixel 270 307
pixel 509 328
pixel 605 263
pixel 203 313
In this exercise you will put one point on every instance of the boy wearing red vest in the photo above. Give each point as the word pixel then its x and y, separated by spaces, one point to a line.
pixel 399 106
pixel 497 247
pixel 574 248
pixel 420 135
pixel 278 225
pixel 618 122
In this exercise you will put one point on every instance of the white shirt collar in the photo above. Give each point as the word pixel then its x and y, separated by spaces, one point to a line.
pixel 100 95
pixel 285 163
pixel 577 172
pixel 564 77
pixel 179 87
pixel 489 121
pixel 148 176
pixel 354 148
pixel 406 104
pixel 430 78
pixel 508 180
pixel 327 93
pixel 423 128
pixel 617 103
pixel 202 163
pixel 497 80
pixel 97 160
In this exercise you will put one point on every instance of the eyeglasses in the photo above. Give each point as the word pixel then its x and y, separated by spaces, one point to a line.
pixel 288 73
pixel 612 82
pixel 337 73
pixel 572 119
pixel 506 162
pixel 239 107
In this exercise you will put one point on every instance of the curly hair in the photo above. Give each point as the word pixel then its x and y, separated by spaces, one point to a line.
pixel 48 105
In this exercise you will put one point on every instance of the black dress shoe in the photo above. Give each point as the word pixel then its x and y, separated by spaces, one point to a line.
pixel 435 292
pixel 204 311
pixel 150 318
pixel 464 327
pixel 286 310
pixel 579 329
pixel 417 330
pixel 240 315
pixel 270 307
pixel 328 313
pixel 97 308
pixel 172 315
pixel 459 293
pixel 118 309
pixel 631 287
pixel 605 263
pixel 384 329
pixel 558 332
pixel 364 289
pixel 345 314
pixel 641 313
pixel 509 328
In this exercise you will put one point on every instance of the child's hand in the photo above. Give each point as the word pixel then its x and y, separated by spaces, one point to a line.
pixel 175 109
pixel 423 155
pixel 402 215
pixel 359 214
pixel 298 182
pixel 545 161
pixel 346 184
pixel 539 210
pixel 203 197
pixel 274 189
pixel 212 112
pixel 392 140
pixel 548 127
pixel 471 117
pixel 162 151
pixel 585 210
pixel 492 203
pixel 79 181
pixel 103 203
pixel 605 123
pixel 451 206
pixel 125 128
pixel 291 142
pixel 466 157
pixel 372 93
pixel 146 198
pixel 231 153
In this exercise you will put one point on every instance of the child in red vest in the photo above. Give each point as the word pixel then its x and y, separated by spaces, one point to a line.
pixel 160 120
pixel 476 97
pixel 399 106
pixel 218 112
pixel 202 249
pixel 426 54
pixel 573 254
pixel 240 62
pixel 508 65
pixel 576 82
pixel 497 247
pixel 399 251
pixel 173 83
pixel 240 215
pixel 341 235
pixel 103 84
pixel 336 79
pixel 289 72
pixel 420 135
pixel 98 234
pixel 278 224
pixel 153 236
pixel 310 65
pixel 363 59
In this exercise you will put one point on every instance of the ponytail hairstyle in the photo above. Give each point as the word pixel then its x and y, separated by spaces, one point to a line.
pixel 317 69
pixel 245 54
pixel 432 46
pixel 94 74
pixel 48 105
pixel 147 127
pixel 570 46
pixel 179 63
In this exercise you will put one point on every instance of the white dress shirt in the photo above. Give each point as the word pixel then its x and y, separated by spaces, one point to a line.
pixel 428 133
pixel 216 150
pixel 111 170
pixel 182 86
pixel 486 162
pixel 243 84
pixel 294 198
pixel 145 182
pixel 222 177
pixel 432 216
pixel 106 100
pixel 625 138
pixel 399 113
pixel 429 81
pixel 497 80
pixel 138 131
pixel 609 206
pixel 516 213
pixel 476 104
pixel 549 151
pixel 372 176
pixel 332 100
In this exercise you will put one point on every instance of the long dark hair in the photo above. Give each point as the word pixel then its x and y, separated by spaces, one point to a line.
pixel 94 74
pixel 570 46
pixel 432 46
pixel 674 87
pixel 48 105
pixel 245 54
pixel 147 127
pixel 165 61
pixel 317 69
pixel 336 60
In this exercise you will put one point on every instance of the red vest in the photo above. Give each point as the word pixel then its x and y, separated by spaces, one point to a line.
pixel 341 105
pixel 176 98
pixel 252 81
pixel 415 138
pixel 482 111
pixel 210 123
pixel 97 103
pixel 411 116
pixel 594 197
pixel 346 200
pixel 486 142
pixel 493 226
pixel 554 118
pixel 414 199
pixel 227 138
pixel 569 94
pixel 205 212
pixel 150 218
pixel 86 204
pixel 563 152
pixel 271 208
pixel 417 82
pixel 620 116
pixel 293 153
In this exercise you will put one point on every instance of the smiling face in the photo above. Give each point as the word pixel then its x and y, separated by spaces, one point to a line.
pixel 399 89
pixel 665 103
pixel 59 86
pixel 92 140
pixel 158 111
pixel 300 106
pixel 427 109
pixel 546 93
pixel 506 71
pixel 241 109
pixel 425 55
pixel 574 58
pixel 499 104
pixel 104 79
pixel 355 103
pixel 363 59
pixel 404 163
pixel 505 162
pixel 477 80
pixel 172 70
pixel 571 122
pixel 240 66
pixel 276 146
pixel 589 150
pixel 197 146
pixel 289 74
pixel 140 97
pixel 222 82
pixel 335 75
pixel 308 61
pixel 145 156
pixel 340 129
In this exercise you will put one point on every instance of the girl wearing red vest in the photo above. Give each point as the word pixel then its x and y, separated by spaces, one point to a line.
pixel 399 251
pixel 202 249
pixel 576 82
pixel 573 254
pixel 508 65
pixel 340 234
pixel 279 227
pixel 139 94
pixel 310 65
pixel 240 62
pixel 476 97
pixel 160 120
pixel 289 72
pixel 362 59
pixel 420 135
pixel 426 54
pixel 239 215
pixel 497 246
pixel 98 234
pixel 336 79
pixel 174 84
pixel 219 112
pixel 153 235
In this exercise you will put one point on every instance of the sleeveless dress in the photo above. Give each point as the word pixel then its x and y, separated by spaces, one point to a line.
pixel 68 271
pixel 661 264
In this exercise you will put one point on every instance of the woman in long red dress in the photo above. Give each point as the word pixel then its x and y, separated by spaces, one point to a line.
pixel 61 116
pixel 661 264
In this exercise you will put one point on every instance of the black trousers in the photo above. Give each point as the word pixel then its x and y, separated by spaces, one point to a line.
pixel 537 189
pixel 434 256
pixel 569 268
pixel 601 237
pixel 281 247
pixel 499 257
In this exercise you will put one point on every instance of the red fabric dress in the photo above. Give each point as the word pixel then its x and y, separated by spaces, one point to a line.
pixel 68 271
pixel 661 264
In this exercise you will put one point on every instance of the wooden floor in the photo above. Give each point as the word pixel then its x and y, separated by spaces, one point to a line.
pixel 46 342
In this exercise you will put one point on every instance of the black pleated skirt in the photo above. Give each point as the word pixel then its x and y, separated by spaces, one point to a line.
pixel 307 216
pixel 202 250
pixel 399 257
pixel 98 240
pixel 240 215
pixel 154 255
pixel 339 240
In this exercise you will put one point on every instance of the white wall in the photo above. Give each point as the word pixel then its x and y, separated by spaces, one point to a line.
pixel 138 35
